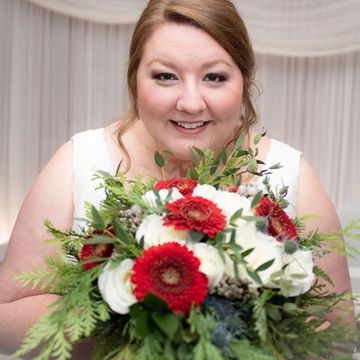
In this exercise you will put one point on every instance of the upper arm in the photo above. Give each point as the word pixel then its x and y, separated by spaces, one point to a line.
pixel 50 197
pixel 312 199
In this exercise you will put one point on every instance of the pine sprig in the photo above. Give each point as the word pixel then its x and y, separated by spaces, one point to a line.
pixel 122 193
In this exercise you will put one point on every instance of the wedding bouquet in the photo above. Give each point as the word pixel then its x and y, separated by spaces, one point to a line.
pixel 202 267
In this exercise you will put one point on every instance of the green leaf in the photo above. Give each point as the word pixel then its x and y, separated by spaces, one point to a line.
pixel 290 308
pixel 222 156
pixel 98 239
pixel 141 318
pixel 273 312
pixel 244 350
pixel 235 216
pixel 255 201
pixel 193 156
pixel 199 151
pixel 254 276
pixel 252 167
pixel 247 252
pixel 240 140
pixel 265 265
pixel 196 236
pixel 98 222
pixel 120 231
pixel 193 174
pixel 167 322
pixel 159 159
pixel 317 310
pixel 257 138
pixel 153 302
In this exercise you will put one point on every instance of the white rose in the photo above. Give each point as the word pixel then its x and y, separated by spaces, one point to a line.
pixel 230 202
pixel 116 287
pixel 211 263
pixel 265 248
pixel 155 233
pixel 206 191
pixel 299 263
pixel 151 199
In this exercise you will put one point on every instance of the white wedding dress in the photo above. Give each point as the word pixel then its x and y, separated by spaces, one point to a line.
pixel 90 154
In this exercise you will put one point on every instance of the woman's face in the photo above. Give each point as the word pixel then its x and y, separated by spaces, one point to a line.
pixel 189 90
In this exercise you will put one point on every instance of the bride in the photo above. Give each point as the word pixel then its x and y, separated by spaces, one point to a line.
pixel 190 80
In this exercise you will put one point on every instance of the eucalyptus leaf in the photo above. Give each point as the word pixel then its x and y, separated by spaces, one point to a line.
pixel 240 140
pixel 256 199
pixel 258 138
pixel 265 265
pixel 159 159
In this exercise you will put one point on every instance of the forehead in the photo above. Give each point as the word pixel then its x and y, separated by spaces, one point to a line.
pixel 183 43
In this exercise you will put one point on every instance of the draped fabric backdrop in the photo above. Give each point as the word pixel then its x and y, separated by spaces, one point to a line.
pixel 63 65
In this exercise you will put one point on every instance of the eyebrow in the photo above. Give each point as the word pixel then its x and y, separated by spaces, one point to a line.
pixel 205 65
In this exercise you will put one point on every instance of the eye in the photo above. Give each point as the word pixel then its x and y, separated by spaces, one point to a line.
pixel 215 77
pixel 164 76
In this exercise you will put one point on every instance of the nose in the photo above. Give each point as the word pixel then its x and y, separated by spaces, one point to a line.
pixel 190 100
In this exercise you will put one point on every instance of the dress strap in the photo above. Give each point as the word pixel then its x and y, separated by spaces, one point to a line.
pixel 89 155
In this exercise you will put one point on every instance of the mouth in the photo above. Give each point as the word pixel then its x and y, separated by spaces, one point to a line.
pixel 190 125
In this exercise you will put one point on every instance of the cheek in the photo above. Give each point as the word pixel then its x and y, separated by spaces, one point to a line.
pixel 153 100
pixel 228 106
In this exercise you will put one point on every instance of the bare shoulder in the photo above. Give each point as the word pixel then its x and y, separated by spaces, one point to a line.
pixel 50 197
pixel 312 199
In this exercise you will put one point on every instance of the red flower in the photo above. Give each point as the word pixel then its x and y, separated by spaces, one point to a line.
pixel 195 212
pixel 89 251
pixel 171 272
pixel 184 185
pixel 280 225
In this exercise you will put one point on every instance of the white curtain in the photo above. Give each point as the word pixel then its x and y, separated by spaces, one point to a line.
pixel 287 27
pixel 61 74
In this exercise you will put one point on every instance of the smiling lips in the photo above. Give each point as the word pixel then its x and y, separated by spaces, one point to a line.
pixel 189 125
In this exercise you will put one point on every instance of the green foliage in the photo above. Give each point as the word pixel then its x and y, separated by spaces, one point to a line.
pixel 244 350
pixel 74 316
pixel 226 168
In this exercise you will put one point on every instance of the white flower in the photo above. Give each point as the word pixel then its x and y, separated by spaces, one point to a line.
pixel 116 288
pixel 211 263
pixel 151 199
pixel 299 272
pixel 230 202
pixel 226 201
pixel 155 233
pixel 206 191
pixel 265 248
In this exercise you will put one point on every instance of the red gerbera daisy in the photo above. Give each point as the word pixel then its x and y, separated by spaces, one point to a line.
pixel 171 272
pixel 184 185
pixel 89 251
pixel 280 225
pixel 195 212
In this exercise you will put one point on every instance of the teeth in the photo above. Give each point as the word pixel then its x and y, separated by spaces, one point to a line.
pixel 193 125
